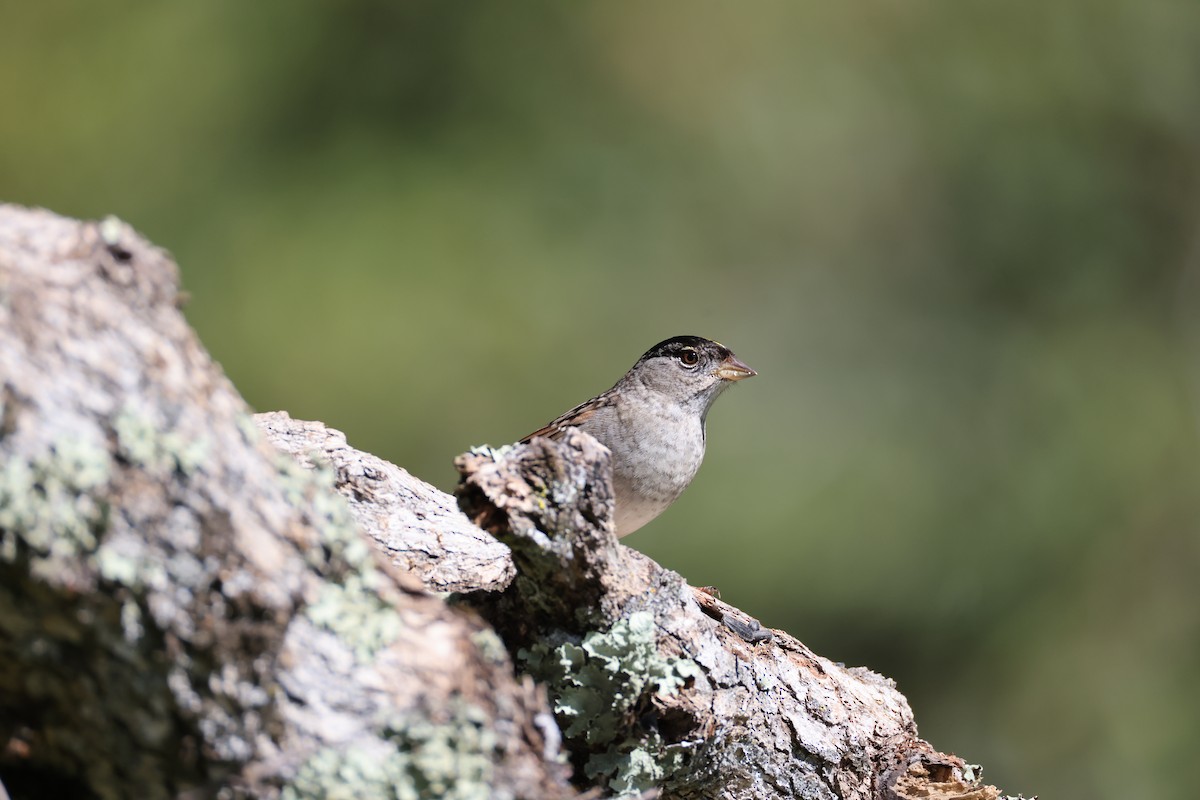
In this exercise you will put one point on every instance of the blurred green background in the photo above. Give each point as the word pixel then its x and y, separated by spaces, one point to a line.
pixel 958 240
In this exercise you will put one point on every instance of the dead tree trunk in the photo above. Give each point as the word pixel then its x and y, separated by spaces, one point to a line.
pixel 184 612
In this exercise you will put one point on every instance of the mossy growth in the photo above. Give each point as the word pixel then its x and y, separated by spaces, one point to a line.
pixel 417 759
pixel 600 686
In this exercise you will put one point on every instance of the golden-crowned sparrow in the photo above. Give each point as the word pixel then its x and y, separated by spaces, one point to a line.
pixel 653 422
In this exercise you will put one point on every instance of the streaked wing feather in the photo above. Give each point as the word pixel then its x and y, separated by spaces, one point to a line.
pixel 579 414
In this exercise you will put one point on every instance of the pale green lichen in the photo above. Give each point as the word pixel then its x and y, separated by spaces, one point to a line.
pixel 82 463
pixel 116 566
pixel 142 443
pixel 417 759
pixel 332 515
pixel 110 229
pixel 356 613
pixel 52 503
pixel 136 437
pixel 251 433
pixel 341 543
pixel 489 646
pixel 132 567
pixel 597 687
pixel 493 453
pixel 349 603
pixel 632 769
pixel 297 482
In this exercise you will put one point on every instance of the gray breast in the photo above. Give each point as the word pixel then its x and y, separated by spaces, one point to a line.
pixel 656 453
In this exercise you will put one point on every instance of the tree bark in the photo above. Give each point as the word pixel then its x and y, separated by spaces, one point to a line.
pixel 185 612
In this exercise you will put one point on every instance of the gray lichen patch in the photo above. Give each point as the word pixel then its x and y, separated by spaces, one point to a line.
pixel 489 452
pixel 416 759
pixel 333 518
pixel 490 646
pixel 341 547
pixel 351 603
pixel 358 615
pixel 598 687
pixel 144 443
pixel 54 503
pixel 126 562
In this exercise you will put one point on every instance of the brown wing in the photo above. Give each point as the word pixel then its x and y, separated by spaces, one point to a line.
pixel 573 418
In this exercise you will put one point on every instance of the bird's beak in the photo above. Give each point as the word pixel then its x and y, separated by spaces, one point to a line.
pixel 733 370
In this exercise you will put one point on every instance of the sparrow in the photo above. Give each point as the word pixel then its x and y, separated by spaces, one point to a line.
pixel 652 421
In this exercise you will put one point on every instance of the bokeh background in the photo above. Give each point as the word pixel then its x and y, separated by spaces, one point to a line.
pixel 958 240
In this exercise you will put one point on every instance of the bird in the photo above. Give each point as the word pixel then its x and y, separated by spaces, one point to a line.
pixel 653 422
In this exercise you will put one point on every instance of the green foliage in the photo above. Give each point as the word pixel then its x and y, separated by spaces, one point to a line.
pixel 599 685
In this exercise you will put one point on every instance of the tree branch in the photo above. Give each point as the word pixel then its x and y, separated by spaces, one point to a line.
pixel 184 611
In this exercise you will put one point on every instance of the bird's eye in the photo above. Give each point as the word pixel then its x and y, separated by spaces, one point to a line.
pixel 689 357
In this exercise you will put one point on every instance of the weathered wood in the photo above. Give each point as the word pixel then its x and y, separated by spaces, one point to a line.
pixel 765 720
pixel 752 720
pixel 185 612
pixel 420 528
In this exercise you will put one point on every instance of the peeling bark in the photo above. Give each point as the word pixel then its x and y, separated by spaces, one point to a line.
pixel 420 528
